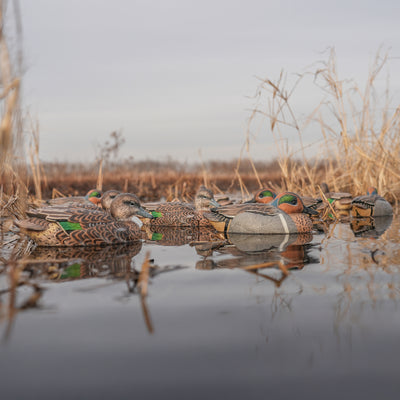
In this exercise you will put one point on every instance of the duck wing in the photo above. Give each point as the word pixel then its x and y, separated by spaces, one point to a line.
pixel 84 216
pixel 232 210
pixel 311 202
pixel 366 201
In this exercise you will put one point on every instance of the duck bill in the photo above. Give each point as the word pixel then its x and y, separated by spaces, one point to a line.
pixel 309 210
pixel 143 213
pixel 253 200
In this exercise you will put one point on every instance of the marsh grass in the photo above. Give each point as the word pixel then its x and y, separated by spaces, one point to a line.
pixel 152 180
pixel 13 171
pixel 358 136
pixel 357 128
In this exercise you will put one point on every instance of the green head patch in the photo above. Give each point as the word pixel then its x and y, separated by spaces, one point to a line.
pixel 94 193
pixel 267 193
pixel 288 199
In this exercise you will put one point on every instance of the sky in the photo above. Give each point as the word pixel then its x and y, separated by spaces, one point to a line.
pixel 177 78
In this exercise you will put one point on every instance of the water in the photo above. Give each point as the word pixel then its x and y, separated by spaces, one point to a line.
pixel 321 321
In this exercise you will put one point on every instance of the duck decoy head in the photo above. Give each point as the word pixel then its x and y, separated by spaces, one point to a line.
pixel 127 205
pixel 205 199
pixel 94 196
pixel 372 191
pixel 107 198
pixel 263 196
pixel 324 187
pixel 291 203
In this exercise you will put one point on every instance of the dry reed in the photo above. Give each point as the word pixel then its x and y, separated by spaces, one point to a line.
pixel 360 137
pixel 360 146
pixel 12 165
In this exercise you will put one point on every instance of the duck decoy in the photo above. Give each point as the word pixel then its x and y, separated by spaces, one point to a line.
pixel 93 196
pixel 266 195
pixel 285 214
pixel 370 205
pixel 79 226
pixel 183 214
pixel 339 200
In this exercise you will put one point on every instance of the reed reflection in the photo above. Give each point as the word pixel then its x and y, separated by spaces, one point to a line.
pixel 14 278
pixel 366 258
pixel 73 263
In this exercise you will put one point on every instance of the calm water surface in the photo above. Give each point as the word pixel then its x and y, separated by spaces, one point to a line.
pixel 304 317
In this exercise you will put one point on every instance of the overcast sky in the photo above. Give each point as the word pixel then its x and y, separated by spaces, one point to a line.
pixel 175 76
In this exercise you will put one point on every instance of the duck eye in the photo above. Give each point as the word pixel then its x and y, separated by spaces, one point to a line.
pixel 129 203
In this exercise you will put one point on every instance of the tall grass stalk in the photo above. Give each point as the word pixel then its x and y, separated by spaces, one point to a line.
pixel 12 165
pixel 36 167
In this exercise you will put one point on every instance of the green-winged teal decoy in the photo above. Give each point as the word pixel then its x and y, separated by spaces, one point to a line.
pixel 339 200
pixel 267 195
pixel 177 213
pixel 285 214
pixel 370 205
pixel 93 196
pixel 79 226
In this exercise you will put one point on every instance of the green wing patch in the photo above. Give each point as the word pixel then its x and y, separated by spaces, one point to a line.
pixel 70 226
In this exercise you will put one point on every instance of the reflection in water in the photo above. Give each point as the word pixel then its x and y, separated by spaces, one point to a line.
pixel 365 259
pixel 362 255
pixel 179 236
pixel 371 227
pixel 253 253
pixel 15 279
pixel 75 263
pixel 68 263
pixel 300 306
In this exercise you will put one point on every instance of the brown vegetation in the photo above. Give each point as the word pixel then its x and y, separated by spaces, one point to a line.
pixel 152 180
pixel 359 131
